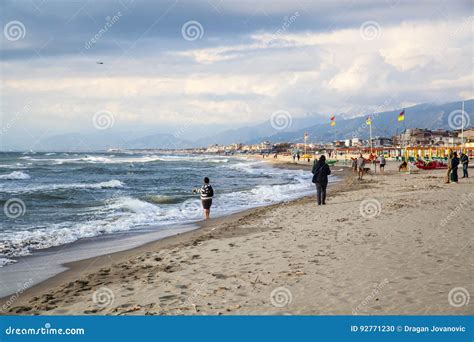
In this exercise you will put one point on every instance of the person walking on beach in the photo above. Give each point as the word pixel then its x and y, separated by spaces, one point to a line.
pixel 465 165
pixel 382 163
pixel 448 171
pixel 354 165
pixel 321 171
pixel 454 167
pixel 207 192
pixel 360 166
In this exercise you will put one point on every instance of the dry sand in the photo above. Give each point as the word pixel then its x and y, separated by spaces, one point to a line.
pixel 390 244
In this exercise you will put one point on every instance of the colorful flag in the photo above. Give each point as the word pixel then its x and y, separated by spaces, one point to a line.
pixel 368 121
pixel 333 120
pixel 401 116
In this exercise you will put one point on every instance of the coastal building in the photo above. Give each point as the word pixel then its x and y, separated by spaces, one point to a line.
pixel 382 142
pixel 468 138
pixel 426 137
pixel 233 147
pixel 215 149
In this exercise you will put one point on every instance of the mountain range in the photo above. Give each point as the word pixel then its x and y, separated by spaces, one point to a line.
pixel 430 116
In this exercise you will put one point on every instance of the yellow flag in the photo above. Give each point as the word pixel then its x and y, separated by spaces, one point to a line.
pixel 401 116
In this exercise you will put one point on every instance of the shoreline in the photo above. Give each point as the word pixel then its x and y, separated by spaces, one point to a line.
pixel 338 259
pixel 60 268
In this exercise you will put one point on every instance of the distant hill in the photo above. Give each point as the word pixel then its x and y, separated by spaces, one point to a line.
pixel 265 129
pixel 430 116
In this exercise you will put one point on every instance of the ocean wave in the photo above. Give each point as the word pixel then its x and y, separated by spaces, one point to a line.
pixel 13 166
pixel 6 261
pixel 122 214
pixel 134 205
pixel 162 199
pixel 112 159
pixel 110 184
pixel 114 183
pixel 15 175
pixel 201 159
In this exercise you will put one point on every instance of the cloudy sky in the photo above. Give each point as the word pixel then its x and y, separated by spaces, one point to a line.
pixel 170 64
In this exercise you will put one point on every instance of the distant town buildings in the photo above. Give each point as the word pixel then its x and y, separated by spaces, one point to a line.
pixel 412 137
pixel 426 137
pixel 468 138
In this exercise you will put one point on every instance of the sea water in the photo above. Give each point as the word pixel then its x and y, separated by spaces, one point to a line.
pixel 57 198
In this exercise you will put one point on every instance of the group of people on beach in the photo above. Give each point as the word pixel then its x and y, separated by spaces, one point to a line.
pixel 359 163
pixel 453 164
pixel 321 171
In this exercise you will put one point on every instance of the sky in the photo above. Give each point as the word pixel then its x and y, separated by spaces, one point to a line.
pixel 223 64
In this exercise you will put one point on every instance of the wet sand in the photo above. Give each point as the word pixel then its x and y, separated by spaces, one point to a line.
pixel 389 244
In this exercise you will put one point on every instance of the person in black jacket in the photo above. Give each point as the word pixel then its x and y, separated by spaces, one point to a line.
pixel 454 167
pixel 207 192
pixel 465 165
pixel 321 171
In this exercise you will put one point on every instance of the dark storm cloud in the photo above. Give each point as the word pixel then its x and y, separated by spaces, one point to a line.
pixel 55 28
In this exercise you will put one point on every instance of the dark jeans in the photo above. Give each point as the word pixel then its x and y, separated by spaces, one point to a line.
pixel 464 170
pixel 321 192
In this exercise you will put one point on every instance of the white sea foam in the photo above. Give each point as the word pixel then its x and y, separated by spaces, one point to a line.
pixel 15 175
pixel 112 159
pixel 114 183
pixel 6 261
pixel 123 213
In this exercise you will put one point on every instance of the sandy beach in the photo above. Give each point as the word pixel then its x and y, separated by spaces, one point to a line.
pixel 392 244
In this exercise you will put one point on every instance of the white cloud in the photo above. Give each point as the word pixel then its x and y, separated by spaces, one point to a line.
pixel 242 83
